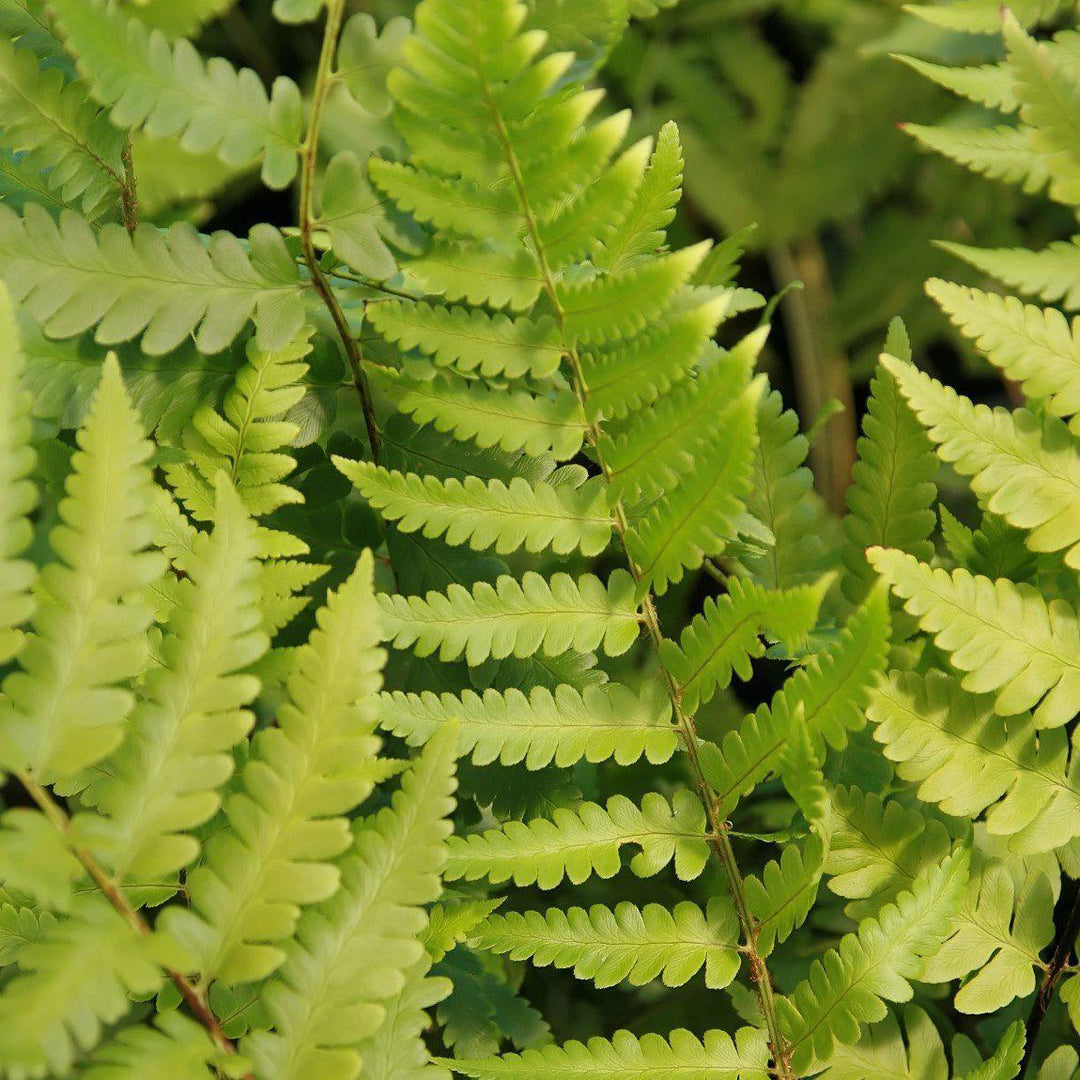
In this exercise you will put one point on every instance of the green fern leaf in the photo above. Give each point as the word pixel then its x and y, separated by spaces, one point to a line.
pixel 565 726
pixel 353 952
pixel 365 57
pixel 781 899
pixel 576 844
pixel 848 987
pixel 999 153
pixel 36 859
pixel 968 759
pixel 176 1048
pixel 162 285
pixel 169 90
pixel 625 1056
pixel 1005 637
pixel 65 708
pixel 287 822
pixel 1025 468
pixel 512 618
pixel 625 944
pixel 992 85
pixel 480 274
pixel 503 516
pixel 17 492
pixel 1051 274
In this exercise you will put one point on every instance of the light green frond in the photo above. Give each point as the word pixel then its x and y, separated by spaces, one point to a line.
pixel 36 859
pixel 625 944
pixel 893 486
pixel 246 439
pixel 1005 637
pixel 998 153
pixel 915 1052
pixel 984 16
pixel 603 722
pixel 366 55
pixel 726 636
pixel 164 779
pixel 696 519
pixel 847 988
pixel 287 821
pixel 828 697
pixel 73 981
pixel 512 618
pixel 1051 274
pixel 1036 347
pixel 354 952
pixel 57 131
pixel 480 274
pixel 781 899
pixel 511 420
pixel 968 759
pixel 169 89
pixel 505 516
pixel 163 285
pixel 1024 468
pixel 176 1048
pixel 576 844
pixel 18 495
pixel 471 340
pixel 625 1056
pixel 64 709
pixel 992 85
pixel 642 231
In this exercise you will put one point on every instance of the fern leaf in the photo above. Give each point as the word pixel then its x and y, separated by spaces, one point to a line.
pixel 1050 274
pixel 176 1048
pixel 73 981
pixel 162 782
pixel 480 274
pixel 999 153
pixel 781 899
pixel 169 90
pixel 992 85
pixel 968 759
pixel 1025 469
pixel 471 340
pixel 1036 347
pixel 1006 637
pixel 57 131
pixel 354 951
pixel 626 944
pixel 512 421
pixel 162 285
pixel 576 844
pixel 65 708
pixel 696 519
pixel 983 16
pixel 625 1056
pixel 725 637
pixel 503 516
pixel 287 820
pixel 829 697
pixel 36 859
pixel 17 492
pixel 512 618
pixel 848 987
pixel 365 57
pixel 565 726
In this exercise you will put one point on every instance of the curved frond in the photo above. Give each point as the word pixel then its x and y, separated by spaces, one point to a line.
pixel 781 899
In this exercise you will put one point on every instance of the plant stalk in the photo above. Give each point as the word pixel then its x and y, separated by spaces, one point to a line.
pixel 309 153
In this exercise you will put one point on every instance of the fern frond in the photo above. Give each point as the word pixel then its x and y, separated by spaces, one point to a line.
pixel 176 1048
pixel 1024 468
pixel 568 725
pixel 1051 274
pixel 286 822
pixel 58 132
pixel 626 944
pixel 163 780
pixel 781 899
pixel 499 515
pixel 162 285
pixel 167 89
pixel 73 981
pixel 479 274
pixel 514 420
pixel 998 153
pixel 725 637
pixel 354 951
pixel 1036 347
pixel 1005 637
pixel 36 859
pixel 366 55
pixel 18 495
pixel 848 987
pixel 516 618
pixel 828 697
pixel 970 760
pixel 576 844
pixel 625 1056
pixel 981 16
pixel 992 85
pixel 471 340
pixel 65 708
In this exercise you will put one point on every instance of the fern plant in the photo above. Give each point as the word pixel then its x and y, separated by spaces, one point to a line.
pixel 474 403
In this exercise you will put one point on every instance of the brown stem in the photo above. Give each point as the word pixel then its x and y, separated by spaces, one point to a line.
pixel 821 370
pixel 309 156
pixel 129 196
pixel 113 892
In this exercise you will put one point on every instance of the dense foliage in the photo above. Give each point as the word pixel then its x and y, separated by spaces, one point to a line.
pixel 423 649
